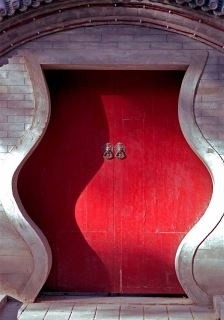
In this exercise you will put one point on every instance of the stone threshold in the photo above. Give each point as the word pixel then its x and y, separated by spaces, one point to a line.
pixel 76 299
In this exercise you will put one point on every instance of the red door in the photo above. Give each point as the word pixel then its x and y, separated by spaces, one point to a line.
pixel 114 225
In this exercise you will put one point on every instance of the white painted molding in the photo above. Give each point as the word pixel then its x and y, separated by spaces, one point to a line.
pixel 9 169
pixel 185 257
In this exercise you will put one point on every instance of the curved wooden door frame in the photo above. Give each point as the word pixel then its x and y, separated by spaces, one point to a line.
pixel 10 167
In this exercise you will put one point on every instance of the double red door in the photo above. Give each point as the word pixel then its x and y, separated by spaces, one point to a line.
pixel 114 225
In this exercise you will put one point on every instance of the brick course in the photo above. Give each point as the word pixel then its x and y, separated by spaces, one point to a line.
pixel 16 93
pixel 15 110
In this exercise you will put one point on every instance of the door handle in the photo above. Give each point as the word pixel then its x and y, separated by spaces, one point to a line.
pixel 120 151
pixel 108 152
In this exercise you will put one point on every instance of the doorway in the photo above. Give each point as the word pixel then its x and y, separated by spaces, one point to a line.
pixel 114 225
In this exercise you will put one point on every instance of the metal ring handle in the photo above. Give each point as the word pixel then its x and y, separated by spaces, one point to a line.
pixel 108 152
pixel 120 151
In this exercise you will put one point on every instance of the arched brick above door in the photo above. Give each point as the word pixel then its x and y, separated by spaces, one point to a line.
pixel 63 15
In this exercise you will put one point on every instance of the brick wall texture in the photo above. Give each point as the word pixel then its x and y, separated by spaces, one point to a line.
pixel 16 103
pixel 17 107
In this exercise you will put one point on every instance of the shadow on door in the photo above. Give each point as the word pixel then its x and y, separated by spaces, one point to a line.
pixel 114 225
pixel 53 178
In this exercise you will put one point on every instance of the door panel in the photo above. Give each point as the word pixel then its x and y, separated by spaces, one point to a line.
pixel 114 225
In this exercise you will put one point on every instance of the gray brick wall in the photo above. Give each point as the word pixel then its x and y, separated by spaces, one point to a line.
pixel 16 98
pixel 16 103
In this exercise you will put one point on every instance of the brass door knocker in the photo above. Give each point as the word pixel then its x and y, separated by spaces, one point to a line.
pixel 108 152
pixel 120 151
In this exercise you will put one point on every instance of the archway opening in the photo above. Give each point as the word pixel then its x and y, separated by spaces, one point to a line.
pixel 114 225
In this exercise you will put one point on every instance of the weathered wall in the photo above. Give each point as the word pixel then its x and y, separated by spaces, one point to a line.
pixel 16 103
pixel 16 99
pixel 22 245
pixel 18 110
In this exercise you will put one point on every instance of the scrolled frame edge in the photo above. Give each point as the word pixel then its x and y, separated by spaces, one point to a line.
pixel 187 249
pixel 10 167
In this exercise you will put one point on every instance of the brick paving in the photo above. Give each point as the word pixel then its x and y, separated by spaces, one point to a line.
pixel 91 308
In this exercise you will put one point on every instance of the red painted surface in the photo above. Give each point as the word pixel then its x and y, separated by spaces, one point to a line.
pixel 114 226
